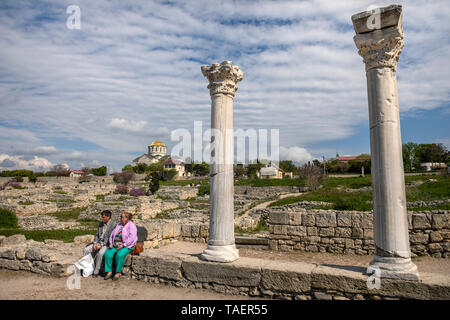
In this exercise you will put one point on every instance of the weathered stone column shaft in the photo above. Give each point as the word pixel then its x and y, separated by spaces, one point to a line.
pixel 222 85
pixel 222 175
pixel 380 48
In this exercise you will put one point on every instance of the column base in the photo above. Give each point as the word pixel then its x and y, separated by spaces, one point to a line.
pixel 394 268
pixel 227 253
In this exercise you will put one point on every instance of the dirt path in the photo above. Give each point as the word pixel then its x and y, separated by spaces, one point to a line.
pixel 264 205
pixel 30 286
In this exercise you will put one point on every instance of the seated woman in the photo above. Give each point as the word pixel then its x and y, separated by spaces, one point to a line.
pixel 121 242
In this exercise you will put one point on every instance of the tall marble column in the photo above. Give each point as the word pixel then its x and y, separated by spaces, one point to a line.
pixel 222 86
pixel 380 48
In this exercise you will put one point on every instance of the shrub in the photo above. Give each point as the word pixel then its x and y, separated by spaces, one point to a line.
pixel 203 189
pixel 313 175
pixel 101 171
pixel 154 182
pixel 19 179
pixel 136 192
pixel 121 189
pixel 124 177
pixel 32 178
pixel 8 219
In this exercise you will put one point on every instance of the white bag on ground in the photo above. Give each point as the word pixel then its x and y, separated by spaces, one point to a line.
pixel 86 264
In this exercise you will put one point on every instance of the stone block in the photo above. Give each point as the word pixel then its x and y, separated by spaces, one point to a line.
pixel 356 220
pixel 357 233
pixel 440 221
pixel 308 219
pixel 368 233
pixel 435 247
pixel 33 254
pixel 312 231
pixel 204 231
pixel 349 243
pixel 436 236
pixel 343 232
pixel 280 229
pixel 14 240
pixel 326 232
pixel 367 220
pixel 326 219
pixel 186 230
pixel 9 264
pixel 418 238
pixel 167 230
pixel 84 239
pixel 314 239
pixel 20 253
pixel 7 253
pixel 296 230
pixel 420 221
pixel 344 219
pixel 195 231
pixel 161 266
pixel 2 238
pixel 322 296
pixel 311 248
pixel 232 274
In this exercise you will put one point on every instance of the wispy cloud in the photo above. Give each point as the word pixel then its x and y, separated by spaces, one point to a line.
pixel 132 72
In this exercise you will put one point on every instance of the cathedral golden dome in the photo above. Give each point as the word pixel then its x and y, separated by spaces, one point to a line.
pixel 158 143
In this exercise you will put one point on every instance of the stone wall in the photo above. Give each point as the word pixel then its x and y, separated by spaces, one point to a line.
pixel 294 228
pixel 258 193
pixel 245 276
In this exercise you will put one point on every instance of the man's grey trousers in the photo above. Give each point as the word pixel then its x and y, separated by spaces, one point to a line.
pixel 98 255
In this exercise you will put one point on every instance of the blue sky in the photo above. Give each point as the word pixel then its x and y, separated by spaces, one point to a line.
pixel 101 94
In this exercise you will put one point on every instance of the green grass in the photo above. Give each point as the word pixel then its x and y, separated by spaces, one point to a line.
pixel 60 192
pixel 66 200
pixel 67 215
pixel 270 182
pixel 26 203
pixel 332 191
pixel 183 182
pixel 430 190
pixel 445 206
pixel 41 235
pixel 261 226
pixel 100 197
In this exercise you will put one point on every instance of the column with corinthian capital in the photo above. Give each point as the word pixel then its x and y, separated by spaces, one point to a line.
pixel 380 48
pixel 222 86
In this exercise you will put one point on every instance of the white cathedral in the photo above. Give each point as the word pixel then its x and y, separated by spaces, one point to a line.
pixel 156 151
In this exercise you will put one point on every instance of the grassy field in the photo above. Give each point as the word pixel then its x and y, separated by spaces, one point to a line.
pixel 433 188
pixel 41 235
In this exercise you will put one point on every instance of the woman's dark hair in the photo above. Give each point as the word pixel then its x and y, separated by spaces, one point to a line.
pixel 106 213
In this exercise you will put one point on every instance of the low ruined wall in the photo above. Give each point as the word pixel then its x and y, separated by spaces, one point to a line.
pixel 245 276
pixel 294 228
pixel 266 192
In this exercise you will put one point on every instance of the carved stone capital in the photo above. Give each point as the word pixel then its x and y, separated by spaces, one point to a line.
pixel 222 77
pixel 379 36
pixel 380 48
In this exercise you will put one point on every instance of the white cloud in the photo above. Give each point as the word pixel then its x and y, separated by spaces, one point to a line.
pixel 296 154
pixel 8 162
pixel 127 125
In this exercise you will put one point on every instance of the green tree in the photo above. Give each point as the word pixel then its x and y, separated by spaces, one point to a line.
pixel 169 174
pixel 411 156
pixel 201 169
pixel 154 182
pixel 128 167
pixel 101 171
pixel 239 170
pixel 287 166
pixel 433 152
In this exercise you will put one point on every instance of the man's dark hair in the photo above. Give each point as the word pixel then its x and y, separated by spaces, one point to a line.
pixel 106 213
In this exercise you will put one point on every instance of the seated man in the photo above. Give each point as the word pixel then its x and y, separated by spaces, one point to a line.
pixel 101 241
